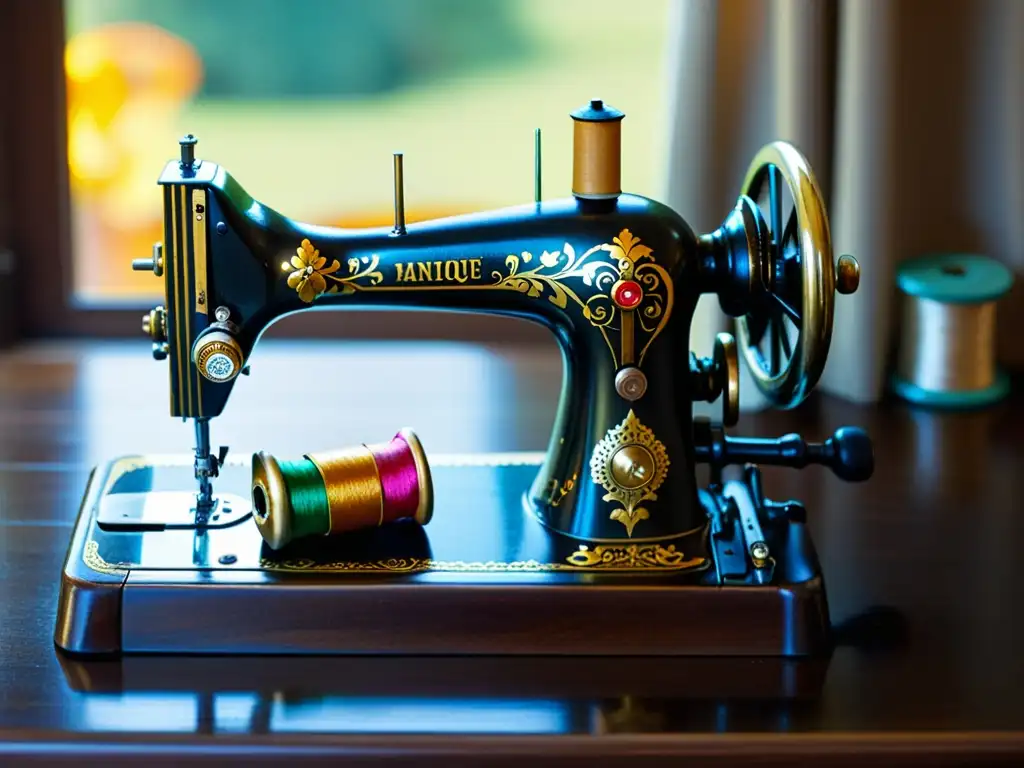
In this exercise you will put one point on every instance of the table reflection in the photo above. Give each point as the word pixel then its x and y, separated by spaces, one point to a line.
pixel 280 713
pixel 443 695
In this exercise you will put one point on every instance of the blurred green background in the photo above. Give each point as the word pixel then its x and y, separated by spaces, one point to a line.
pixel 304 102
pixel 268 49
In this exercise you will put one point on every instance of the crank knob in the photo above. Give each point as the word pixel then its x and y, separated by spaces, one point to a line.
pixel 847 275
pixel 851 455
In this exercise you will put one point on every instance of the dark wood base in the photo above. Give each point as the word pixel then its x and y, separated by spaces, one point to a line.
pixel 483 578
pixel 486 677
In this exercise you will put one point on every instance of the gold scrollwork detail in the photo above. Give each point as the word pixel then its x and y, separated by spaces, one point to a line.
pixel 559 492
pixel 630 463
pixel 563 276
pixel 633 557
pixel 599 307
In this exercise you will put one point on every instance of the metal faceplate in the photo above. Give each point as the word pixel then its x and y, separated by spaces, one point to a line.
pixel 160 510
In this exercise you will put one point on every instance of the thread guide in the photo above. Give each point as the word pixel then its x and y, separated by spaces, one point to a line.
pixel 399 228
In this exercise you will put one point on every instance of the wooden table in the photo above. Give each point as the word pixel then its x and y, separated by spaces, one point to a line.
pixel 935 539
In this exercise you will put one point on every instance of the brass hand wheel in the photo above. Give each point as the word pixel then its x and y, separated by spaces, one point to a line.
pixel 785 335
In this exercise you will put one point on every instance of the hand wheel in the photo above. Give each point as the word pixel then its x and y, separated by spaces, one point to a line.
pixel 785 335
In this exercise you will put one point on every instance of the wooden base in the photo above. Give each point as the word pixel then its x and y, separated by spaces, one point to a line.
pixel 487 677
pixel 483 578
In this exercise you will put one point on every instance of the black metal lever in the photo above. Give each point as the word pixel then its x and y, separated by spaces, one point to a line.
pixel 848 453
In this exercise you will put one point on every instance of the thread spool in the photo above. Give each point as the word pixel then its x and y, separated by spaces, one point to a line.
pixel 947 350
pixel 335 492
pixel 597 151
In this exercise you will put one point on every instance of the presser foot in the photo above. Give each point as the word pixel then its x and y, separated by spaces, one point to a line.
pixel 206 466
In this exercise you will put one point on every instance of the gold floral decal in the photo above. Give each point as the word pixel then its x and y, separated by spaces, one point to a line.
pixel 598 308
pixel 630 463
pixel 633 557
pixel 312 273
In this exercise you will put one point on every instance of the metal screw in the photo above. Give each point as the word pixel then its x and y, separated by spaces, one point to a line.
pixel 759 553
pixel 227 559
pixel 630 383
pixel 222 228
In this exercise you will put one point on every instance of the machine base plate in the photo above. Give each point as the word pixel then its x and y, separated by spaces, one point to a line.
pixel 484 578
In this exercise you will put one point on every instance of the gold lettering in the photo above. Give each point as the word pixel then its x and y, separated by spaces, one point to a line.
pixel 405 273
pixel 454 271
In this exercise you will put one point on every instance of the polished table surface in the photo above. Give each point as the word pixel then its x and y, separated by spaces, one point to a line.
pixel 923 565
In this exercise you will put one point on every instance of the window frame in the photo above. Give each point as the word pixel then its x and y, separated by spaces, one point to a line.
pixel 35 196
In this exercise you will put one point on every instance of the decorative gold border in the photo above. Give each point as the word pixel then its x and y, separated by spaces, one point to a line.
pixel 91 557
pixel 622 559
pixel 607 559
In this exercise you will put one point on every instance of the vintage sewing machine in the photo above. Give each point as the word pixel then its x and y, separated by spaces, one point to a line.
pixel 606 544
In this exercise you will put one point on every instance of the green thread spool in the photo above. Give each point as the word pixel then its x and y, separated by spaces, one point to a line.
pixel 310 513
pixel 289 499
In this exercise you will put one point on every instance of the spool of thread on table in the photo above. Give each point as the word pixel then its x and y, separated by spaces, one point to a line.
pixel 335 492
pixel 947 350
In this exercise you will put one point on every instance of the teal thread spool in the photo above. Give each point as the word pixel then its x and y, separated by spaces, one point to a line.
pixel 946 355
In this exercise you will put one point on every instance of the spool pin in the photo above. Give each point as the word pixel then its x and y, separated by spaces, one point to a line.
pixel 948 347
pixel 335 492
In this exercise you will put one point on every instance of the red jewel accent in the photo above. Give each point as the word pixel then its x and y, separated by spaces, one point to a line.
pixel 628 294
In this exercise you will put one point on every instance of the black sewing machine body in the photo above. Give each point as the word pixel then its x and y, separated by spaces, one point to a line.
pixel 554 263
pixel 612 509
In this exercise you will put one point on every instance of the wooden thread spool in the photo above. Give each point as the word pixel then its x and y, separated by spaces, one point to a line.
pixel 947 350
pixel 597 151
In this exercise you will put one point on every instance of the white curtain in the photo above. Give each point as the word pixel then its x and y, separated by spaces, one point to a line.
pixel 910 112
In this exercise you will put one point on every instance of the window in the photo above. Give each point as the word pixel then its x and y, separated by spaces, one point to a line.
pixel 305 102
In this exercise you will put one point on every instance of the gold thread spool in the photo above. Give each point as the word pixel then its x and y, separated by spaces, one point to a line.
pixel 355 498
pixel 947 350
pixel 597 151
